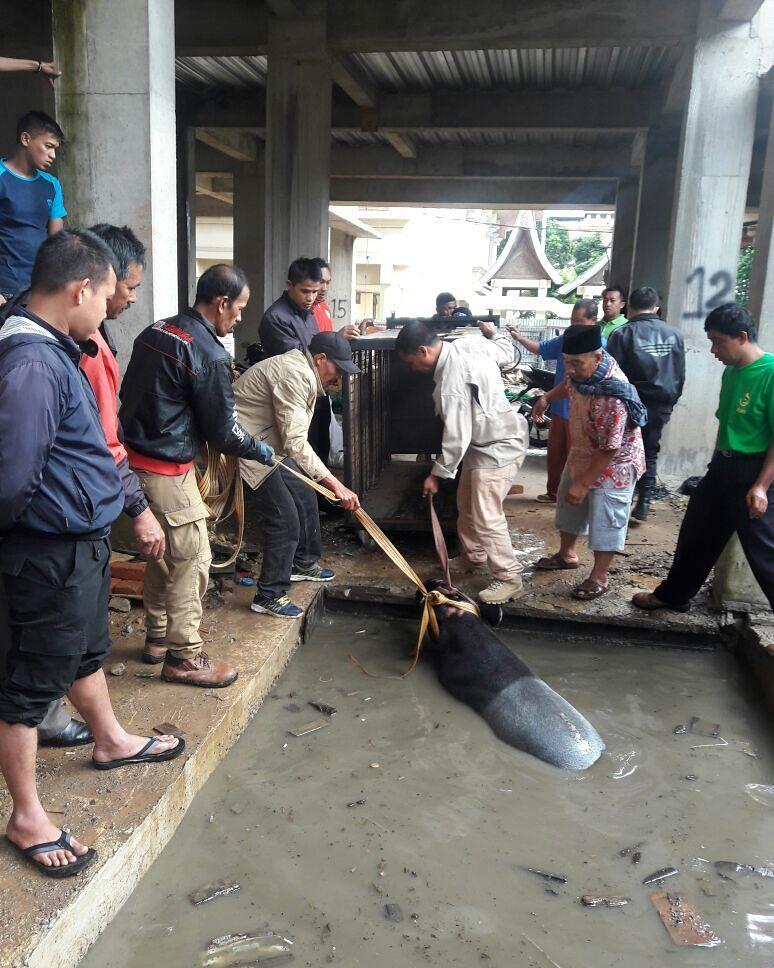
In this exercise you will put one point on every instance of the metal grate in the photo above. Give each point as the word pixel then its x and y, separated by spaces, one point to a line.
pixel 366 416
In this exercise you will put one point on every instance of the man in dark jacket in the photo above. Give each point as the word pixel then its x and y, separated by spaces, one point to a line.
pixel 652 355
pixel 177 396
pixel 59 494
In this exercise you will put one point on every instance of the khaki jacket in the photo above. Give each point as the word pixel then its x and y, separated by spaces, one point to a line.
pixel 275 401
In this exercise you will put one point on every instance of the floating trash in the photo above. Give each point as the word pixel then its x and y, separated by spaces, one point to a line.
pixel 323 707
pixel 598 900
pixel 728 869
pixel 761 793
pixel 309 727
pixel 210 891
pixel 265 947
pixel 683 922
pixel 393 912
pixel 558 878
pixel 660 875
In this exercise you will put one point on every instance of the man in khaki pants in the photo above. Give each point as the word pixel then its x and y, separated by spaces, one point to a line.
pixel 176 396
pixel 481 432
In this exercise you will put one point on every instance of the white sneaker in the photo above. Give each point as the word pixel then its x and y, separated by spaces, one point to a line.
pixel 500 591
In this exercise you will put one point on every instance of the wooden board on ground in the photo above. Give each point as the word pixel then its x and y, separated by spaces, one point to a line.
pixel 683 922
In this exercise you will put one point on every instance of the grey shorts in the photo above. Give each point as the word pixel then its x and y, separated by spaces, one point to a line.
pixel 603 515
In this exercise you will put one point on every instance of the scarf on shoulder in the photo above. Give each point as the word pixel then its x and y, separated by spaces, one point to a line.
pixel 601 384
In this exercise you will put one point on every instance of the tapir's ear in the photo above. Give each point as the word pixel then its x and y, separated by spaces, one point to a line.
pixel 491 614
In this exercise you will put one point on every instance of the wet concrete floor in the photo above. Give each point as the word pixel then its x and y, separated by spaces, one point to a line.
pixel 452 816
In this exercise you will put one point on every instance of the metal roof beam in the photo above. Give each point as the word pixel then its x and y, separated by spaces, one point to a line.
pixel 229 141
pixel 485 162
pixel 354 83
pixel 402 144
pixel 581 110
pixel 503 193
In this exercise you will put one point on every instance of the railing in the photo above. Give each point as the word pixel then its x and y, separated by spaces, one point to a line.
pixel 366 415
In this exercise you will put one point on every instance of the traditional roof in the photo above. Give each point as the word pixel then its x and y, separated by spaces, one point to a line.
pixel 593 276
pixel 522 257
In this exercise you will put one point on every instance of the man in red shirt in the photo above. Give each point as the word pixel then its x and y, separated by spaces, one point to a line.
pixel 321 309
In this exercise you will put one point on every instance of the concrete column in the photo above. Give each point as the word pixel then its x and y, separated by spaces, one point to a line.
pixel 249 212
pixel 341 295
pixel 627 204
pixel 116 101
pixel 760 301
pixel 657 192
pixel 715 155
pixel 186 213
pixel 298 143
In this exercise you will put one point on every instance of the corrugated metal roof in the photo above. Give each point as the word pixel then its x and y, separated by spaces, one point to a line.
pixel 630 67
pixel 486 138
pixel 222 72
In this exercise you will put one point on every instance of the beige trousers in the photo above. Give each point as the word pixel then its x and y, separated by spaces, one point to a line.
pixel 174 587
pixel 481 526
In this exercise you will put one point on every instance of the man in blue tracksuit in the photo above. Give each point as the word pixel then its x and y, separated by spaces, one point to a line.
pixel 59 494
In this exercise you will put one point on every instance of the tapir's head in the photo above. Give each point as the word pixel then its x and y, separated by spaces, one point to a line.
pixel 491 614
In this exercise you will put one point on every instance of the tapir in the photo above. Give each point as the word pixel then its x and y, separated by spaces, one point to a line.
pixel 479 670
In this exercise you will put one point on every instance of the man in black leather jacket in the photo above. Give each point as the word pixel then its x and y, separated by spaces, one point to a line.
pixel 652 355
pixel 176 396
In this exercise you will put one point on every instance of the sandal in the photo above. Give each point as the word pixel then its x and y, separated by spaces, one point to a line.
pixel 555 563
pixel 588 590
pixel 143 756
pixel 64 843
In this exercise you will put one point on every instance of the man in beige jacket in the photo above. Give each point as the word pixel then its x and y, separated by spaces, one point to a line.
pixel 483 434
pixel 275 402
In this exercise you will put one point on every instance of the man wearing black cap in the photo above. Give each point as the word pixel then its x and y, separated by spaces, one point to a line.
pixel 276 401
pixel 606 458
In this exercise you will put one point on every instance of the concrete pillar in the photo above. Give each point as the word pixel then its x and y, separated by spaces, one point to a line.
pixel 186 213
pixel 249 212
pixel 659 173
pixel 627 204
pixel 760 301
pixel 715 155
pixel 298 143
pixel 341 297
pixel 116 101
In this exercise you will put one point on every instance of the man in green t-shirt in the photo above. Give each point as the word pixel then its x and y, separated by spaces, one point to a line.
pixel 736 493
pixel 613 305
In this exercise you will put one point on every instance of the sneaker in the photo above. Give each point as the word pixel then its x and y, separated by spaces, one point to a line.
pixel 545 499
pixel 500 591
pixel 281 607
pixel 201 670
pixel 313 573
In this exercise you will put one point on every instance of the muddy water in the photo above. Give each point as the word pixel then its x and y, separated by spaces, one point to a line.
pixel 452 816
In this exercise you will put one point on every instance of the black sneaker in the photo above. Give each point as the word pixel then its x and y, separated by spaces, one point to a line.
pixel 281 607
pixel 313 573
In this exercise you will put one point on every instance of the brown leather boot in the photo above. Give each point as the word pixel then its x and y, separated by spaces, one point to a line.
pixel 649 603
pixel 154 651
pixel 201 670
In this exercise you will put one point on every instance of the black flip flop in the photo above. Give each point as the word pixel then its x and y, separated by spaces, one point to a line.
pixel 64 843
pixel 143 756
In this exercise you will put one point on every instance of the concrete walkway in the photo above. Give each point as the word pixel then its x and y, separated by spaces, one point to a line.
pixel 129 815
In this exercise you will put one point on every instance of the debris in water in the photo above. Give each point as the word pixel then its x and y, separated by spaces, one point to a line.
pixel 118 669
pixel 168 729
pixel 700 727
pixel 599 900
pixel 559 878
pixel 679 730
pixel 237 807
pixel 626 768
pixel 357 803
pixel 628 851
pixel 210 891
pixel 548 958
pixel 380 868
pixel 660 875
pixel 393 913
pixel 636 857
pixel 323 707
pixel 761 793
pixel 265 947
pixel 145 674
pixel 691 777
pixel 683 922
pixel 119 605
pixel 726 868
pixel 292 707
pixel 311 727
pixel 374 766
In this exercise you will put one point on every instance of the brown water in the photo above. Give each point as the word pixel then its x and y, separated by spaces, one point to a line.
pixel 452 816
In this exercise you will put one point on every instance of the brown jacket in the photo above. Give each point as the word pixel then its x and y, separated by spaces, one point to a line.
pixel 275 401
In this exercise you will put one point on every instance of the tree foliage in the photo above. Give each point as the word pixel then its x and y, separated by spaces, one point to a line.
pixel 587 250
pixel 558 246
pixel 744 265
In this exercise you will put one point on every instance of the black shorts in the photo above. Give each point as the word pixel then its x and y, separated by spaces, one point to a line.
pixel 57 594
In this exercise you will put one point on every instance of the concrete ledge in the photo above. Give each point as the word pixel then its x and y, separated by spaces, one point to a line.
pixel 129 815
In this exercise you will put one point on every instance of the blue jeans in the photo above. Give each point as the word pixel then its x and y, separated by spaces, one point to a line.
pixel 291 529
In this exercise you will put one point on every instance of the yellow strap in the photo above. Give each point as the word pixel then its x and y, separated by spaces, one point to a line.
pixel 430 599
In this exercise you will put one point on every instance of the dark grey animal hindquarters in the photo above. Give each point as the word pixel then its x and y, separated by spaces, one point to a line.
pixel 479 670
